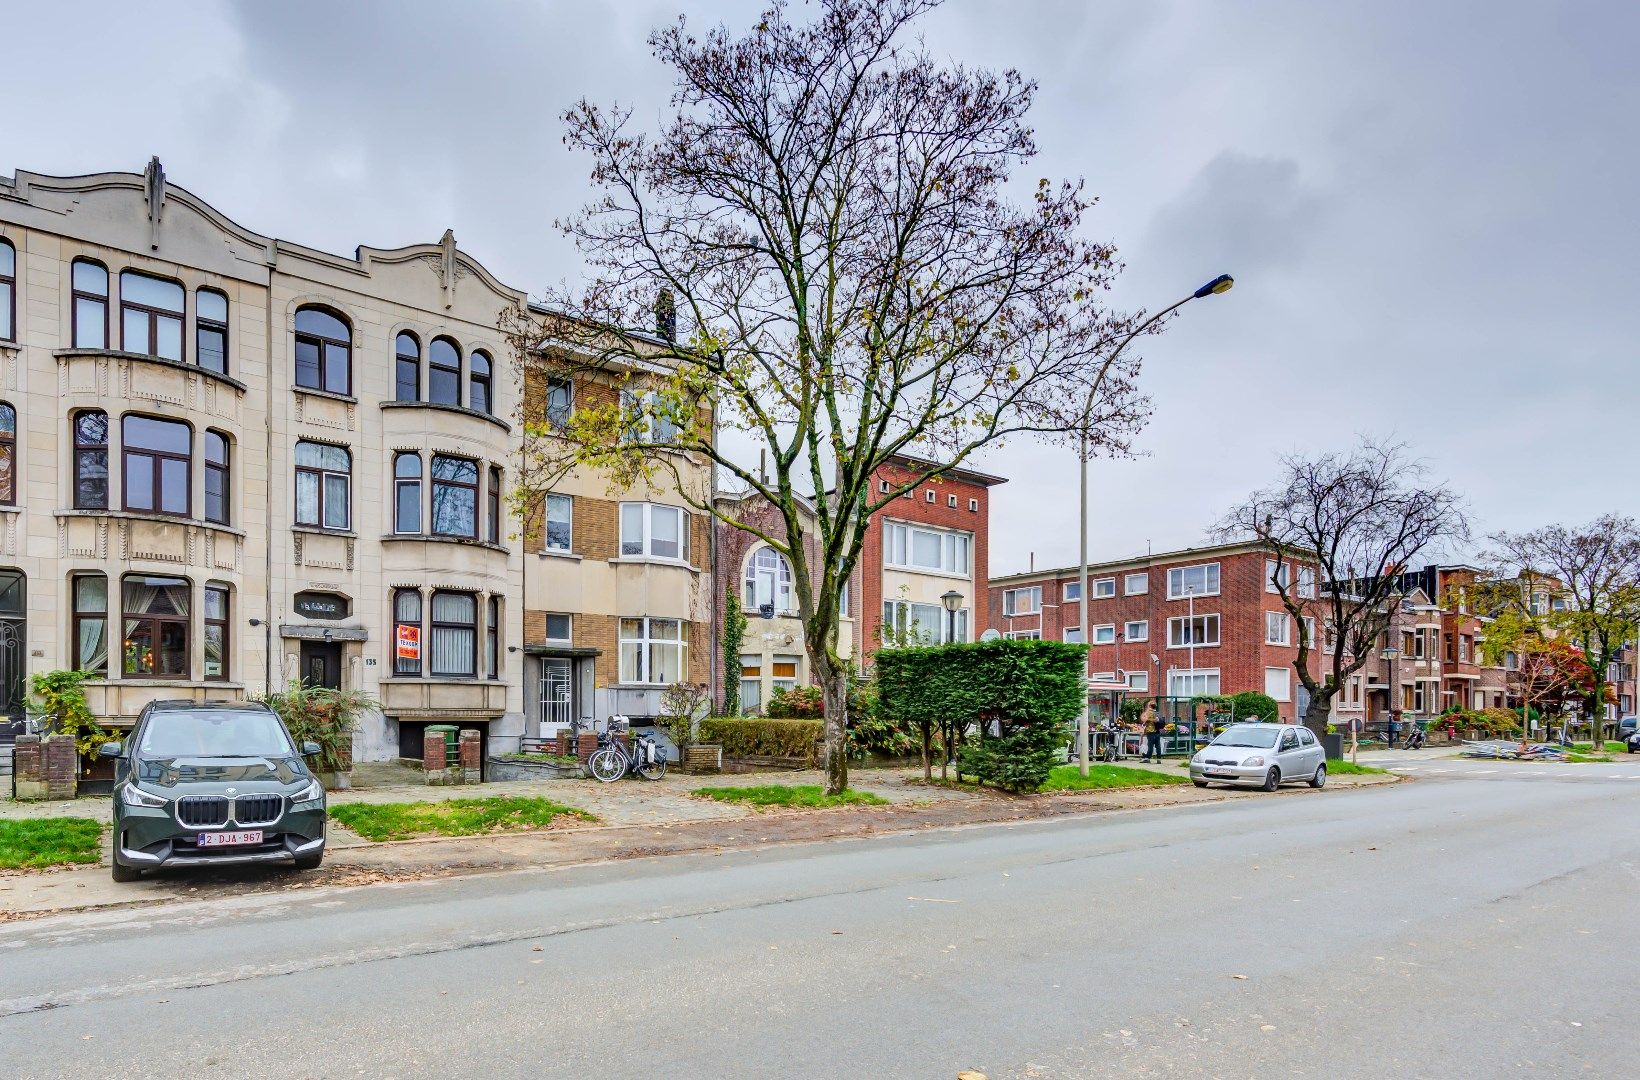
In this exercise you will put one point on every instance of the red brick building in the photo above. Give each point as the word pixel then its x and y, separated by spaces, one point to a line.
pixel 1177 624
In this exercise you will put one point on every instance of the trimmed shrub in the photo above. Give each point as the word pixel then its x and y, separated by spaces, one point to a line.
pixel 756 736
pixel 1020 695
pixel 1251 703
pixel 796 703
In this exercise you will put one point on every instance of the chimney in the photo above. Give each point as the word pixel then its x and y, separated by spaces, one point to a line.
pixel 666 316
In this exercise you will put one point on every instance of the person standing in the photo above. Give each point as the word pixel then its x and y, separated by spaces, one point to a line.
pixel 1152 723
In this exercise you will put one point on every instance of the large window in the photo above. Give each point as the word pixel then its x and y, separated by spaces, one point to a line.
pixel 560 402
pixel 156 627
pixel 920 623
pixel 407 368
pixel 324 351
pixel 1027 601
pixel 926 549
pixel 8 292
pixel 1185 581
pixel 90 622
pixel 492 502
pixel 151 315
pixel 559 531
pixel 479 381
pixel 406 632
pixel 453 635
pixel 406 493
pixel 660 532
pixel 650 420
pixel 211 330
pixel 444 372
pixel 654 650
pixel 455 496
pixel 90 305
pixel 155 455
pixel 1193 683
pixel 216 632
pixel 769 581
pixel 1277 628
pixel 1278 683
pixel 324 480
pixel 8 455
pixel 91 460
pixel 1185 631
pixel 217 482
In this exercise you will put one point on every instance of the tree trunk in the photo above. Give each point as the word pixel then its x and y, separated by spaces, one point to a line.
pixel 927 746
pixel 834 692
pixel 1318 713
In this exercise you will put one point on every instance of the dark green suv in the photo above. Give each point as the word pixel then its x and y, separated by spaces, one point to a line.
pixel 213 785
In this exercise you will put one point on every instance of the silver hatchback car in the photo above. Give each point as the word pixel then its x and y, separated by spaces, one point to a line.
pixel 1262 755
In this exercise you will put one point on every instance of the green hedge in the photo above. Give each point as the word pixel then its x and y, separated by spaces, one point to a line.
pixel 755 736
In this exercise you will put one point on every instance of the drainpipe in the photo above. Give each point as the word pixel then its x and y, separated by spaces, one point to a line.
pixel 267 510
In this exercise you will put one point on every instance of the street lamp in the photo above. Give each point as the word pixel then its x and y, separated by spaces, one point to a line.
pixel 953 604
pixel 1220 284
pixel 1391 654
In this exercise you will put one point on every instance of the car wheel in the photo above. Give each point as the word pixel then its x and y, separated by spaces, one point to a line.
pixel 1272 779
pixel 309 862
pixel 1199 783
pixel 1320 778
pixel 123 873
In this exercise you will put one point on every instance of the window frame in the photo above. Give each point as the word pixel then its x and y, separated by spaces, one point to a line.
pixel 8 454
pixel 76 294
pixel 435 484
pixel 492 506
pixel 433 365
pixel 321 474
pixel 1127 628
pixel 1192 674
pixel 569 522
pixel 1103 633
pixel 221 624
pixel 1144 584
pixel 486 380
pixel 222 470
pixel 154 315
pixel 1278 629
pixel 79 614
pixel 1181 620
pixel 435 624
pixel 556 422
pixel 1098 588
pixel 1009 608
pixel 1175 594
pixel 400 360
pixel 83 449
pixel 648 534
pixel 646 642
pixel 1286 674
pixel 1069 587
pixel 400 483
pixel 404 667
pixel 781 583
pixel 156 624
pixel 956 546
pixel 492 637
pixel 8 282
pixel 321 341
pixel 157 473
pixel 202 324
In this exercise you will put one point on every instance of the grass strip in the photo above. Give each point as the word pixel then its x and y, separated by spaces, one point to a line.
pixel 1070 778
pixel 453 817
pixel 805 796
pixel 36 843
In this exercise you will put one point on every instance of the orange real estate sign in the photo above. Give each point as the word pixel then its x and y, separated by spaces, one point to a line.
pixel 409 644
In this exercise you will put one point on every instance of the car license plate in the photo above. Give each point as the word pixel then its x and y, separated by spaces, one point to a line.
pixel 1219 772
pixel 227 839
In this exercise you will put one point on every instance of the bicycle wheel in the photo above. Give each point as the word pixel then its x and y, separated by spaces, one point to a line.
pixel 653 770
pixel 607 765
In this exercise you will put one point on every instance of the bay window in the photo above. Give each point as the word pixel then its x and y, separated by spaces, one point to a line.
pixel 156 609
pixel 655 531
pixel 926 549
pixel 1187 631
pixel 151 315
pixel 455 496
pixel 90 623
pixel 444 372
pixel 406 493
pixel 211 330
pixel 90 296
pixel 216 632
pixel 324 482
pixel 453 635
pixel 1200 580
pixel 157 458
pixel 406 632
pixel 91 460
pixel 324 351
pixel 406 368
pixel 559 519
pixel 478 381
pixel 654 650
pixel 217 484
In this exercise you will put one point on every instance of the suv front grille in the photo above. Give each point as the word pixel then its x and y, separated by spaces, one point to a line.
pixel 202 811
pixel 257 809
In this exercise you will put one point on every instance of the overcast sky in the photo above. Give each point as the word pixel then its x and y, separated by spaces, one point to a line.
pixel 1429 208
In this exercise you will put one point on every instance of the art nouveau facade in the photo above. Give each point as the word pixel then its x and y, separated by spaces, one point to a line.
pixel 228 461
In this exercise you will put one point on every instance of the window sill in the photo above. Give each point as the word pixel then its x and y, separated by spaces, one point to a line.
pixel 441 680
pixel 317 530
pixel 1198 645
pixel 953 575
pixel 11 344
pixel 160 680
pixel 650 560
pixel 143 515
pixel 438 538
pixel 1193 596
pixel 145 358
pixel 314 391
pixel 568 556
pixel 459 410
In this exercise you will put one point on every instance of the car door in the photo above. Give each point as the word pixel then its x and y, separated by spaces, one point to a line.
pixel 1314 755
pixel 1289 755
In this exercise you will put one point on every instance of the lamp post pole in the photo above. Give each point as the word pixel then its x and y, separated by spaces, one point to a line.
pixel 1220 284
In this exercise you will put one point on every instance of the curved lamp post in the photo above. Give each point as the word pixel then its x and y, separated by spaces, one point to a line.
pixel 1220 284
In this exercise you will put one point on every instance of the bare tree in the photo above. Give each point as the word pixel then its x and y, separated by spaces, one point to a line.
pixel 1362 518
pixel 1577 584
pixel 822 234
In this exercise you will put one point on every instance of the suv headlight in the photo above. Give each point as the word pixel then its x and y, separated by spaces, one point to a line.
pixel 309 797
pixel 135 796
pixel 1256 759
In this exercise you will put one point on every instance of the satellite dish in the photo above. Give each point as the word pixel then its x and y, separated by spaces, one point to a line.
pixel 991 635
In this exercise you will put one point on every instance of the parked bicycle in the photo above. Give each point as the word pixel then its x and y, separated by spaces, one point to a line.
pixel 612 760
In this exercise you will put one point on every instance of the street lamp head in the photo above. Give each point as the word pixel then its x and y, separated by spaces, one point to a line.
pixel 952 601
pixel 1220 284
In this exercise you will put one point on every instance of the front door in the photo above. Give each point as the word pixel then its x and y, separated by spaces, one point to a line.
pixel 13 653
pixel 322 664
pixel 557 694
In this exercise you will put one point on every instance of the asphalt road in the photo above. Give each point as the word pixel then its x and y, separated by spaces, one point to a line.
pixel 1443 928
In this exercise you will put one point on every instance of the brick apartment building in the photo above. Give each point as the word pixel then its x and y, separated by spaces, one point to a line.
pixel 1177 624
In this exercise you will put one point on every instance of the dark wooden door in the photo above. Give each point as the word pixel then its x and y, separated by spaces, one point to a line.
pixel 322 664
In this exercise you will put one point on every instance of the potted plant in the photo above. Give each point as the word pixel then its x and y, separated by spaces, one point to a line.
pixel 327 717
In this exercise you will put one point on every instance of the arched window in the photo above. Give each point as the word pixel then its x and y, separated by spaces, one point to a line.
pixel 151 315
pixel 91 460
pixel 478 381
pixel 324 480
pixel 769 580
pixel 406 632
pixel 8 455
pixel 90 622
pixel 406 493
pixel 444 372
pixel 407 368
pixel 324 351
pixel 8 291
pixel 211 330
pixel 90 305
pixel 217 489
pixel 156 458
